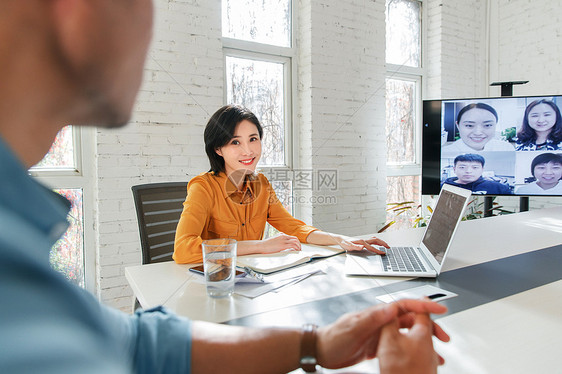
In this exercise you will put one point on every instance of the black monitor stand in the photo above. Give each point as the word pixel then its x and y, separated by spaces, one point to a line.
pixel 507 90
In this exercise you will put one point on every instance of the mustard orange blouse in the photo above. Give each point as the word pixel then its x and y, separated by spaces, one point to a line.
pixel 214 208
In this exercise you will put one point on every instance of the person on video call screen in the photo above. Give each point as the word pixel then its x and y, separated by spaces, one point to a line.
pixel 476 124
pixel 547 171
pixel 468 169
pixel 541 128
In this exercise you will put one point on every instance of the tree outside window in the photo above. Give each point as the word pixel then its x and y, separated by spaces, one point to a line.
pixel 67 255
pixel 403 100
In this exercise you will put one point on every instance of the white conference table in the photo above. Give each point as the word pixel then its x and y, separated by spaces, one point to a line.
pixel 517 333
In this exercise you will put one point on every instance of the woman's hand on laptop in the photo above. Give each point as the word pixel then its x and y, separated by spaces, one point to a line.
pixel 349 244
pixel 352 244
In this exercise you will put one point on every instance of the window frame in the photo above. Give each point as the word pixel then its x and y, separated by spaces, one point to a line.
pixel 231 49
pixel 64 171
pixel 272 53
pixel 81 176
pixel 416 75
pixel 413 168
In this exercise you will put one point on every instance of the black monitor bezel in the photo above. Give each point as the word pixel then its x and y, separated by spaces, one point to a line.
pixel 431 142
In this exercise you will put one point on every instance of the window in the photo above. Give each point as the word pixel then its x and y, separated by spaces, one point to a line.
pixel 403 32
pixel 61 154
pixel 67 255
pixel 401 121
pixel 259 85
pixel 403 100
pixel 61 169
pixel 260 21
pixel 259 57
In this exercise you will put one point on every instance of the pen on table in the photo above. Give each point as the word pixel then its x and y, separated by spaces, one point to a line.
pixel 253 274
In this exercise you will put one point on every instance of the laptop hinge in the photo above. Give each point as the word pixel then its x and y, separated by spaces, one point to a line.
pixel 429 264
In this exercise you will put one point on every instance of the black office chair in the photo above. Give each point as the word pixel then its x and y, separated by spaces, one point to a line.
pixel 159 206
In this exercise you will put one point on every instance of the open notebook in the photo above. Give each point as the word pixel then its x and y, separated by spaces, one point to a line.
pixel 270 263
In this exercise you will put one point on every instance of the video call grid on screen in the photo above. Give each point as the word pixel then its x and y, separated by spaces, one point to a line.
pixel 507 162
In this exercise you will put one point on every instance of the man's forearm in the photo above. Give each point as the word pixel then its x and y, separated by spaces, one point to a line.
pixel 233 349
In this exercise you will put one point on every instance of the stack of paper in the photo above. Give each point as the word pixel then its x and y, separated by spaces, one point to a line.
pixel 251 288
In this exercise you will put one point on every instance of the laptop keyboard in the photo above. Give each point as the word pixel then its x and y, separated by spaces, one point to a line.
pixel 402 259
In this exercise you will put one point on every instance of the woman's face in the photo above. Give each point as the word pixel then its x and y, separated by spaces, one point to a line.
pixel 243 151
pixel 542 118
pixel 548 174
pixel 477 127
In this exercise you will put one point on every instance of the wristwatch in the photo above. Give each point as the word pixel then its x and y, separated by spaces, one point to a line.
pixel 308 348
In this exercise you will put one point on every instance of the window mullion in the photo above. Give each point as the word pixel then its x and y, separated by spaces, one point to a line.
pixel 247 46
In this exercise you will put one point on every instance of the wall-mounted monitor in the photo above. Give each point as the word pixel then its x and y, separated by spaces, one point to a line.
pixel 493 146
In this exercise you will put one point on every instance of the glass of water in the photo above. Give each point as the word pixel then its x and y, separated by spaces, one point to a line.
pixel 219 260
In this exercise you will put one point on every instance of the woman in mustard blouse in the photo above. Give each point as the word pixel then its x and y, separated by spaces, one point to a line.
pixel 233 201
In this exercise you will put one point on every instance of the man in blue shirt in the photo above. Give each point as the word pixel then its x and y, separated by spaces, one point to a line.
pixel 468 169
pixel 81 62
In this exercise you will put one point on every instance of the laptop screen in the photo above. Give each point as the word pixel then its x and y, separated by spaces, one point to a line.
pixel 442 225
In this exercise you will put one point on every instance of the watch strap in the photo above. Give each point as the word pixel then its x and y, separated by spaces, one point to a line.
pixel 308 348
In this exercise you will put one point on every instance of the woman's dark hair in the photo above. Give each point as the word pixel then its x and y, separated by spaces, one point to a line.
pixel 220 130
pixel 476 106
pixel 526 135
pixel 545 158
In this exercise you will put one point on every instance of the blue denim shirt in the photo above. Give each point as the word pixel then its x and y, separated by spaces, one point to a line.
pixel 48 325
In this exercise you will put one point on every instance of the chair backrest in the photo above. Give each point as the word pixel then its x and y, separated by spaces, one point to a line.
pixel 159 207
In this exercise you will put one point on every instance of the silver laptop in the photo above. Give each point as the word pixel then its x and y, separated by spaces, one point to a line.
pixel 425 260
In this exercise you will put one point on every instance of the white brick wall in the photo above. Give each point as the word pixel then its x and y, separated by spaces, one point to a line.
pixel 182 87
pixel 339 119
pixel 456 49
pixel 519 50
pixel 527 42
pixel 341 109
